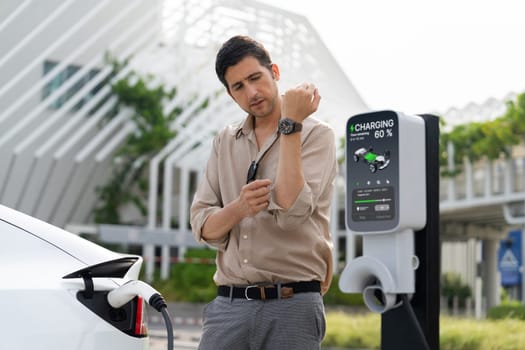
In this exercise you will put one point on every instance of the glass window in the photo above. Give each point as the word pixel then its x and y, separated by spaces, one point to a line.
pixel 61 77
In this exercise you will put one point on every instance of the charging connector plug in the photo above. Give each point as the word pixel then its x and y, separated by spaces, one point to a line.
pixel 123 294
pixel 129 290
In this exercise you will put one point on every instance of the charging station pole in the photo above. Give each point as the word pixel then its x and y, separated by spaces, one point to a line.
pixel 398 331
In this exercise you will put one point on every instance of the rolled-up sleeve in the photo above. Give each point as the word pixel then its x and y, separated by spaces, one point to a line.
pixel 207 200
pixel 319 169
pixel 197 222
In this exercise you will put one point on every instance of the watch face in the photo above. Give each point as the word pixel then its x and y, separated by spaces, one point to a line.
pixel 286 126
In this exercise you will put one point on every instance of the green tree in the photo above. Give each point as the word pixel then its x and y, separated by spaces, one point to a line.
pixel 128 184
pixel 491 139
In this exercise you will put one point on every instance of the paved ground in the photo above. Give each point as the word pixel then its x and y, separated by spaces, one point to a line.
pixel 161 343
pixel 187 321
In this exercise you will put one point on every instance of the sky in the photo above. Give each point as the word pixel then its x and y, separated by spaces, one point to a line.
pixel 422 56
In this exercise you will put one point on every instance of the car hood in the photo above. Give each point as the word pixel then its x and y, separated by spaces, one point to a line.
pixel 86 252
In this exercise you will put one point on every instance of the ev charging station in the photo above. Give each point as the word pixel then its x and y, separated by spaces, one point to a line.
pixel 392 201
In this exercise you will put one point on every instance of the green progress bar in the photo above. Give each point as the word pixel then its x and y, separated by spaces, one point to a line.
pixel 366 201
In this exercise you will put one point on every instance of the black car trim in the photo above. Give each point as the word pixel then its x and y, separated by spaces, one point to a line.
pixel 113 268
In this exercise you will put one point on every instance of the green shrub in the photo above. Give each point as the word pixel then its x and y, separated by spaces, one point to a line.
pixel 507 309
pixel 454 337
pixel 470 334
pixel 452 286
pixel 335 296
pixel 190 282
pixel 363 331
pixel 350 331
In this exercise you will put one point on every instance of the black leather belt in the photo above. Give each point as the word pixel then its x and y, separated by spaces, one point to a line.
pixel 269 291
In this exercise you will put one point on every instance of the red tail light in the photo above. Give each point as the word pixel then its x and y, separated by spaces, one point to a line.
pixel 140 329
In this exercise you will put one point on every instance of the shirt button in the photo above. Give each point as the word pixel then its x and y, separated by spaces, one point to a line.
pixel 245 261
pixel 245 236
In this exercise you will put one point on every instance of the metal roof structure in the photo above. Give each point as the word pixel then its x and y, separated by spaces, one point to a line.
pixel 54 150
pixel 490 109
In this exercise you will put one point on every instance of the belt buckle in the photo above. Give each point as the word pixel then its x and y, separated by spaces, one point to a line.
pixel 261 291
pixel 246 291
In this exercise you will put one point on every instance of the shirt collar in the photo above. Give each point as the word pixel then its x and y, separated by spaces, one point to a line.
pixel 246 127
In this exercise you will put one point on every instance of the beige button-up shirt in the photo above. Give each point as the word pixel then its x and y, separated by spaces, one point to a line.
pixel 276 245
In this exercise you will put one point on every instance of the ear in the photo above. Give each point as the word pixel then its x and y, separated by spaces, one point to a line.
pixel 275 72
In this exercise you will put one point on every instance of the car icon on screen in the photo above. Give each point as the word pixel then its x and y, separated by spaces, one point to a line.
pixel 375 161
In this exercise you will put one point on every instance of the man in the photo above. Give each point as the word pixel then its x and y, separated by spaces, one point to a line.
pixel 264 204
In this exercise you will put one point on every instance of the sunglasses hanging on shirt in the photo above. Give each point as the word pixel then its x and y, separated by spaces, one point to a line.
pixel 252 172
pixel 252 169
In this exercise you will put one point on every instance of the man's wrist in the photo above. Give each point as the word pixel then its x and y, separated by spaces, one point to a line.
pixel 289 126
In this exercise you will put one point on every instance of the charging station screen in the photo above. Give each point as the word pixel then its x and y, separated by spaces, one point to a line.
pixel 372 170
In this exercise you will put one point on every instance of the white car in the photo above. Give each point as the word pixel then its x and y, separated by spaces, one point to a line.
pixel 54 287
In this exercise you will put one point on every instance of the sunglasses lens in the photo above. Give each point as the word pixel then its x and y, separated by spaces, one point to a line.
pixel 252 172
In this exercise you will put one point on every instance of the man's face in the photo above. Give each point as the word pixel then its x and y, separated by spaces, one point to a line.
pixel 253 86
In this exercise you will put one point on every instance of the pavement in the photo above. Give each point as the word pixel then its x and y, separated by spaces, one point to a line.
pixel 186 320
pixel 161 343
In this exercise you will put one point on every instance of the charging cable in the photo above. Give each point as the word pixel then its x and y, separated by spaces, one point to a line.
pixel 123 294
pixel 414 319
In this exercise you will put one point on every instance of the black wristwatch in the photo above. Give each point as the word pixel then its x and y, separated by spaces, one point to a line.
pixel 288 126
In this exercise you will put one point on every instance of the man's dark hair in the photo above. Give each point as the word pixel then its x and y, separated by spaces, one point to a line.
pixel 237 48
